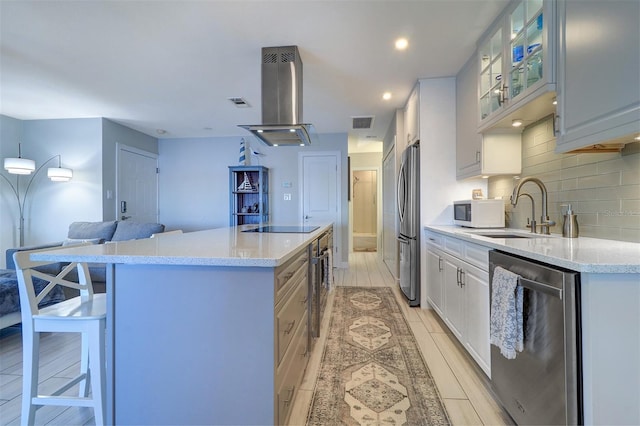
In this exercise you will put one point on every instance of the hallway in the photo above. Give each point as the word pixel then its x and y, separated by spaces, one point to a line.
pixel 464 388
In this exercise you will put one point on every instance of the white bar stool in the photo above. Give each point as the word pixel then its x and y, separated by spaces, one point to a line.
pixel 84 314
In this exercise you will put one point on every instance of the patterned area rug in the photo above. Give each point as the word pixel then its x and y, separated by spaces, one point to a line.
pixel 372 371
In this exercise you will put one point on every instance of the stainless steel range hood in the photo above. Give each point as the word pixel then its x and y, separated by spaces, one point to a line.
pixel 281 99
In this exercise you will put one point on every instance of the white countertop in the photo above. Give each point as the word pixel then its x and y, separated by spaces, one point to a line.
pixel 215 247
pixel 581 254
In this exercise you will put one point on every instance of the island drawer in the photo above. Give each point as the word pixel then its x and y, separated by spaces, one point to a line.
pixel 293 268
pixel 290 315
pixel 290 373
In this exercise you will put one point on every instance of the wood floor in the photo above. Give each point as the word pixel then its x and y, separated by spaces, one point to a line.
pixel 462 385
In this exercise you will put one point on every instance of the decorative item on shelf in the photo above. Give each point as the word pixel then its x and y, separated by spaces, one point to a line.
pixel 256 208
pixel 476 194
pixel 246 184
pixel 256 154
pixel 242 160
pixel 22 166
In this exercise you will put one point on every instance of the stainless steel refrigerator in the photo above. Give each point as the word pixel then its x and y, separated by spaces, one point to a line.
pixel 409 217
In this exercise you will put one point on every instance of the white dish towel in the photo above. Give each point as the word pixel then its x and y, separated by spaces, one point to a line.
pixel 506 313
pixel 328 269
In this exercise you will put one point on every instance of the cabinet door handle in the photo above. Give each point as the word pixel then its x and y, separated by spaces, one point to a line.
pixel 304 300
pixel 439 264
pixel 290 327
pixel 458 277
pixel 461 278
pixel 477 156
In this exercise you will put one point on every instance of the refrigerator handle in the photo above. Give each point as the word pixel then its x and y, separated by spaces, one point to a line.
pixel 400 199
pixel 402 239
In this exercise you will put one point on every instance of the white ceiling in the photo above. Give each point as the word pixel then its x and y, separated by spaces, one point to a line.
pixel 173 65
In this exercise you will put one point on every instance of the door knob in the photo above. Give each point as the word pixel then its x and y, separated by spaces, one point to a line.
pixel 125 217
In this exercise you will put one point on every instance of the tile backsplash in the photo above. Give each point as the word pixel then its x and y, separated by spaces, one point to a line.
pixel 603 188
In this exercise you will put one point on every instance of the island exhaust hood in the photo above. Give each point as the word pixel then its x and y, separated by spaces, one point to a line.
pixel 281 99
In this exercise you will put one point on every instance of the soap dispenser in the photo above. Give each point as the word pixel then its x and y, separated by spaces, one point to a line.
pixel 570 224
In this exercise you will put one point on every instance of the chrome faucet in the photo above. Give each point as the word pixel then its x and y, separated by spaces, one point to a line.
pixel 545 223
pixel 531 223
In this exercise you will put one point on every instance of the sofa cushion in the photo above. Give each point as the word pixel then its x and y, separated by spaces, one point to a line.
pixel 76 241
pixel 90 230
pixel 134 230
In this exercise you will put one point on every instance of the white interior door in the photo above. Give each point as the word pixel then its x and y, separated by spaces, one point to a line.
pixel 319 188
pixel 320 198
pixel 137 186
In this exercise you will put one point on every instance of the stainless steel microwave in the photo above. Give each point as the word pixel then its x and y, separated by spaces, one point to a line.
pixel 479 213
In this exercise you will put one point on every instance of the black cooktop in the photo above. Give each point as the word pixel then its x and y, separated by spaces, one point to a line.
pixel 284 229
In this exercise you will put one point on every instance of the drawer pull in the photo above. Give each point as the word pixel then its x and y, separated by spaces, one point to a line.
pixel 304 301
pixel 289 396
pixel 289 327
pixel 304 351
pixel 288 275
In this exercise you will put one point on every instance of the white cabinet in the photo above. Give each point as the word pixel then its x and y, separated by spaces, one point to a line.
pixel 476 341
pixel 458 290
pixel 516 60
pixel 454 315
pixel 435 278
pixel 492 153
pixel 599 69
pixel 412 116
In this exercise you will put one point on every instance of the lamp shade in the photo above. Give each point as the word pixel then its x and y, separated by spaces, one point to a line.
pixel 19 166
pixel 59 174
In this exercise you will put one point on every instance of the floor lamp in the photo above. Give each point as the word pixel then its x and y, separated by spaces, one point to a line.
pixel 22 166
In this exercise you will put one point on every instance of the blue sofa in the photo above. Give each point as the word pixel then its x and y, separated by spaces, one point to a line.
pixel 94 232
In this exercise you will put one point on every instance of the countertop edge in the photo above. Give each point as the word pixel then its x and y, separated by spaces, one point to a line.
pixel 53 255
pixel 599 268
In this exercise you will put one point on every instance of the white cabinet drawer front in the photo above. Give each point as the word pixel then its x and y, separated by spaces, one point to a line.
pixel 290 316
pixel 435 239
pixel 454 246
pixel 477 255
pixel 290 372
pixel 288 271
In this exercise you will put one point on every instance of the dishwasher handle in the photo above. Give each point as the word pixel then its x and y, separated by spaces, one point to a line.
pixel 543 288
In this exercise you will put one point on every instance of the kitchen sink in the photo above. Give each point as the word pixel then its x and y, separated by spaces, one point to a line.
pixel 507 235
pixel 504 235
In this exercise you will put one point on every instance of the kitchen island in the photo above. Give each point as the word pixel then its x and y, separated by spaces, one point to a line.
pixel 207 327
pixel 609 306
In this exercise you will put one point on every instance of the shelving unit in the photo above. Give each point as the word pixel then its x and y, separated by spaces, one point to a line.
pixel 248 195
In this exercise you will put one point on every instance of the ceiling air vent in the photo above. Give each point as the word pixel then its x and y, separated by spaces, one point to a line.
pixel 359 123
pixel 240 102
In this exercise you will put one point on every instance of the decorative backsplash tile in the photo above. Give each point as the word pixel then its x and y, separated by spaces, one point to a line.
pixel 603 189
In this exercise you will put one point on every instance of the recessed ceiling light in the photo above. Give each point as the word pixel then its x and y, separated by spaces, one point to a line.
pixel 161 131
pixel 402 43
pixel 637 138
pixel 554 101
pixel 386 96
pixel 516 123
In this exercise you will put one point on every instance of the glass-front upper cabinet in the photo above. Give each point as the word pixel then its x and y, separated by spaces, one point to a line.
pixel 527 46
pixel 491 84
pixel 517 64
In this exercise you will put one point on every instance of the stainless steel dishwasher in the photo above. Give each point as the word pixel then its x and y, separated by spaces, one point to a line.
pixel 542 385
